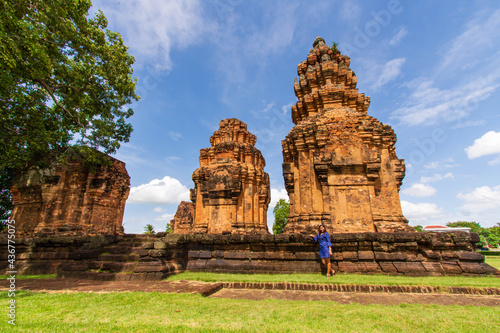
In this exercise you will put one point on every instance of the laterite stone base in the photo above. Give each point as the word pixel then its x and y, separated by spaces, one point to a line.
pixel 154 257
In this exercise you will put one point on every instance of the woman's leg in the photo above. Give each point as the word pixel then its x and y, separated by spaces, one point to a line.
pixel 328 267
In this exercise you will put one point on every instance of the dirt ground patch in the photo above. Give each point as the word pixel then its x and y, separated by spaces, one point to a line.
pixel 360 298
pixel 76 285
pixel 216 290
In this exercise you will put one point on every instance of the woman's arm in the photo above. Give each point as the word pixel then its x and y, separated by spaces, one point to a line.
pixel 328 242
pixel 315 237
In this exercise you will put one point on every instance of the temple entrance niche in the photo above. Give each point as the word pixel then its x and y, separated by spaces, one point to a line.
pixel 339 164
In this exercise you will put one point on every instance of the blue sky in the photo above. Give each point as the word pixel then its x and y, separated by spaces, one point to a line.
pixel 432 70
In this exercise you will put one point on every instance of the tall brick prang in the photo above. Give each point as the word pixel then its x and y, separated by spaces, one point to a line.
pixel 232 191
pixel 339 163
pixel 68 199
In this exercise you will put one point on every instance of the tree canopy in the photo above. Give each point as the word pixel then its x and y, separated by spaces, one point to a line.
pixel 64 82
pixel 168 228
pixel 280 212
pixel 487 236
pixel 149 229
pixel 419 228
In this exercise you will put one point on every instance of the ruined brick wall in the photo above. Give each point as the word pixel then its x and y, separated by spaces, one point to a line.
pixel 411 254
pixel 183 218
pixel 339 164
pixel 103 257
pixel 69 199
pixel 153 257
pixel 232 191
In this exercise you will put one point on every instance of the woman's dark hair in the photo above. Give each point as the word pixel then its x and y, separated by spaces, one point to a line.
pixel 319 228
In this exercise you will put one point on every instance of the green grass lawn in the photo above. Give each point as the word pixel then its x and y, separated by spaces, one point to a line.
pixel 493 261
pixel 159 312
pixel 442 281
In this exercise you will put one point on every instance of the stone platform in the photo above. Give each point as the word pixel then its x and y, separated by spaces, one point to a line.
pixel 153 257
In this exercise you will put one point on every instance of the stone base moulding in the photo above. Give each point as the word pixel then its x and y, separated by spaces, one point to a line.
pixel 153 257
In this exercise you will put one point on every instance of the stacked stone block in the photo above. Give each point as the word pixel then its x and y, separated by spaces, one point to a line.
pixel 153 257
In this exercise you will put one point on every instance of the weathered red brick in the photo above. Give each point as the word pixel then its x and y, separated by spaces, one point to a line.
pixel 70 200
pixel 232 191
pixel 183 218
pixel 340 165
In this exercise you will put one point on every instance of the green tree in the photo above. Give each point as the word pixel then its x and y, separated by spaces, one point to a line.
pixel 489 235
pixel 280 212
pixel 3 224
pixel 418 228
pixel 492 236
pixel 5 196
pixel 168 229
pixel 334 47
pixel 149 229
pixel 65 80
pixel 474 226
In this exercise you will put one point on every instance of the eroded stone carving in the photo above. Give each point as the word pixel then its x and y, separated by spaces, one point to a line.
pixel 70 200
pixel 231 193
pixel 340 165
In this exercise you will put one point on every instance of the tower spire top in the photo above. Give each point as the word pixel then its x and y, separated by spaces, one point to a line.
pixel 326 82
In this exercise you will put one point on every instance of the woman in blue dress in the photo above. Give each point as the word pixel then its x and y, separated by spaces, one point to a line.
pixel 325 248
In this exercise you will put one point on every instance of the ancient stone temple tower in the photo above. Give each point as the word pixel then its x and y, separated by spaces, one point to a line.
pixel 231 193
pixel 69 200
pixel 340 164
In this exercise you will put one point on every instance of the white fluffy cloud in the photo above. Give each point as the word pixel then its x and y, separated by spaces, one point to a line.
pixel 153 28
pixel 481 198
pixel 481 204
pixel 428 103
pixel 159 191
pixel 239 43
pixel 420 212
pixel 448 163
pixel 436 177
pixel 388 72
pixel 164 218
pixel 398 36
pixel 350 12
pixel 275 196
pixel 176 136
pixel 488 144
pixel 469 123
pixel 478 36
pixel 420 190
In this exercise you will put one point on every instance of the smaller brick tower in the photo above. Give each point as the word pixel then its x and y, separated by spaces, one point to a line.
pixel 232 191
